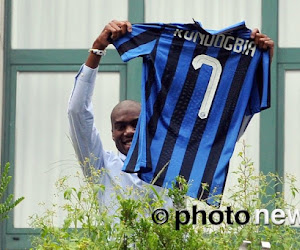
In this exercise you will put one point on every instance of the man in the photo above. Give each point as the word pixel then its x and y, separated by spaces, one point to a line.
pixel 85 137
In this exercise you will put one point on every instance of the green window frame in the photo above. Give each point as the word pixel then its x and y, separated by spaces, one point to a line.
pixel 271 122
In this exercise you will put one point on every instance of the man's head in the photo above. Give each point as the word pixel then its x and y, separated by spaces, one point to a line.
pixel 124 118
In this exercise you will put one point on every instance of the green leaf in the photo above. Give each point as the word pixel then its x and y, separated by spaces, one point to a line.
pixel 68 193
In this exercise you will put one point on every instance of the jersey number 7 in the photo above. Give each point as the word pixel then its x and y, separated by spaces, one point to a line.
pixel 197 63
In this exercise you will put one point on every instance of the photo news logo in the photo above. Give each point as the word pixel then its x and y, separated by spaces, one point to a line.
pixel 216 217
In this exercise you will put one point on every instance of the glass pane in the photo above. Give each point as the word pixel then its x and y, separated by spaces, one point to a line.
pixel 289 19
pixel 212 14
pixel 251 140
pixel 291 129
pixel 43 151
pixel 63 24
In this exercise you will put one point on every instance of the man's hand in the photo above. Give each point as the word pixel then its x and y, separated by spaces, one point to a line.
pixel 263 41
pixel 112 31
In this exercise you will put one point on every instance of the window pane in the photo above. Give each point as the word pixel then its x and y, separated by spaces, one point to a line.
pixel 43 151
pixel 291 129
pixel 63 24
pixel 289 19
pixel 212 14
pixel 251 140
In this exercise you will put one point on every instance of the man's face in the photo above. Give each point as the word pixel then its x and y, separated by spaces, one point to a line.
pixel 124 120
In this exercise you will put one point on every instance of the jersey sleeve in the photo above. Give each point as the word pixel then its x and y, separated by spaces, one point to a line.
pixel 260 92
pixel 139 42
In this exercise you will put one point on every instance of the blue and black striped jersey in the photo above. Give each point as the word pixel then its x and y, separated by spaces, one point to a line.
pixel 200 89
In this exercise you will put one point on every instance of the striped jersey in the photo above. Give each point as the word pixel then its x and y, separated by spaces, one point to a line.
pixel 200 89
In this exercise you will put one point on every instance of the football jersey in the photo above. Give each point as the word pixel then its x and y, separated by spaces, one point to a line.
pixel 200 89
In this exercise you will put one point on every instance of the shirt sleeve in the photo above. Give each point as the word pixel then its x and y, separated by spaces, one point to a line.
pixel 260 93
pixel 139 42
pixel 84 135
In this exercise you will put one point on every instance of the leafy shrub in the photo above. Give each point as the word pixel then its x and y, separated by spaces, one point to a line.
pixel 8 204
pixel 133 227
